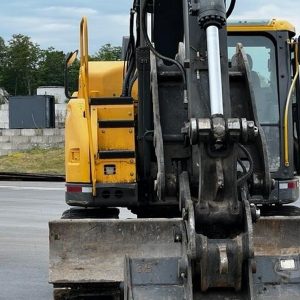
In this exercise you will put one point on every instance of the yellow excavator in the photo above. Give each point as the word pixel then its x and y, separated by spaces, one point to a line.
pixel 196 133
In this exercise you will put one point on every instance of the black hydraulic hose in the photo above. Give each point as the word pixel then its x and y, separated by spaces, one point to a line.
pixel 130 57
pixel 155 52
pixel 231 8
pixel 242 166
pixel 251 163
pixel 127 79
pixel 132 81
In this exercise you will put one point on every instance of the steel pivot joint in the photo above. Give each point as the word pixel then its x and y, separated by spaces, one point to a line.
pixel 220 130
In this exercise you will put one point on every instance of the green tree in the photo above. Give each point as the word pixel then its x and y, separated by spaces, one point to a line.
pixel 73 75
pixel 108 53
pixel 51 68
pixel 3 50
pixel 24 66
pixel 21 67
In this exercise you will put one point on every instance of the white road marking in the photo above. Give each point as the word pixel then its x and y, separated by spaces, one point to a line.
pixel 35 188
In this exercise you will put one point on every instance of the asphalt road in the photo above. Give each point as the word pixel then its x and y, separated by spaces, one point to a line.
pixel 25 209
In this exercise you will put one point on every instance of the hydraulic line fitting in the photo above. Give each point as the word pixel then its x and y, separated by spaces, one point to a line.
pixel 210 13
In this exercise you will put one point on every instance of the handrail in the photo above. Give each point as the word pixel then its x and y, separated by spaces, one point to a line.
pixel 84 93
pixel 286 111
pixel 84 43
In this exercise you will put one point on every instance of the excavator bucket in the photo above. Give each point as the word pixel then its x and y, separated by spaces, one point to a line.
pixel 94 250
pixel 277 257
pixel 143 256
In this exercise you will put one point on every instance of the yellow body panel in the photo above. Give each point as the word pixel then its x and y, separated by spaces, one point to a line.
pixel 125 171
pixel 116 112
pixel 116 139
pixel 84 137
pixel 77 143
pixel 252 25
pixel 106 79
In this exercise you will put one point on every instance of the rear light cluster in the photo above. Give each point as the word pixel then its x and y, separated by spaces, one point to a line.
pixel 78 189
pixel 291 185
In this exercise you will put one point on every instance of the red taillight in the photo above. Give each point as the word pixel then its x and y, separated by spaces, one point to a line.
pixel 74 189
pixel 292 184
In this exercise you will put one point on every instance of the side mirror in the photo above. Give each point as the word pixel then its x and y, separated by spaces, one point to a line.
pixel 68 63
pixel 71 58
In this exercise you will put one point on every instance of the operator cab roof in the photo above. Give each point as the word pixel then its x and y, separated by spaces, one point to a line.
pixel 261 25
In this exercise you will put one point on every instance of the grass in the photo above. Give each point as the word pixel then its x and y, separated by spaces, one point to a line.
pixel 41 161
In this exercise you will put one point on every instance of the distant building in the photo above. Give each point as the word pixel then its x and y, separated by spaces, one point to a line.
pixel 57 91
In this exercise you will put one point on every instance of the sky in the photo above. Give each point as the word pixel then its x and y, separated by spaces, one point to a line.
pixel 56 22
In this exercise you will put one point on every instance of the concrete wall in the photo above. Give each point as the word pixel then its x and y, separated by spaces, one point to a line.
pixel 4 123
pixel 57 91
pixel 14 140
pixel 60 114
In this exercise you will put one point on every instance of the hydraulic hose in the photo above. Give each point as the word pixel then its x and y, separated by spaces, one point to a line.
pixel 130 58
pixel 157 54
pixel 131 83
pixel 231 8
pixel 246 176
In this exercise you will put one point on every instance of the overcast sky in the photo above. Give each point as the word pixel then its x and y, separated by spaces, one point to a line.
pixel 56 22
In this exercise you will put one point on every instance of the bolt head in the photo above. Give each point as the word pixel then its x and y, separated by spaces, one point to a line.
pixel 155 185
pixel 258 213
pixel 177 238
pixel 185 214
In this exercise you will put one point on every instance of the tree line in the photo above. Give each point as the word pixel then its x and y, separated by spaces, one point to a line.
pixel 24 66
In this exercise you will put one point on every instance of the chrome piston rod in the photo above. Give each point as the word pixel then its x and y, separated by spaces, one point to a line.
pixel 214 70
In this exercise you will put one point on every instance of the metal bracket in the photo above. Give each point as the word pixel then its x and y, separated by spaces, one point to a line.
pixel 160 181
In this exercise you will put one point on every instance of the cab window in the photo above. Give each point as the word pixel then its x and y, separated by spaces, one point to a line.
pixel 261 54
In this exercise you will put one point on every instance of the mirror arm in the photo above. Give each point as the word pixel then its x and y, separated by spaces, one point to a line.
pixel 66 83
pixel 68 62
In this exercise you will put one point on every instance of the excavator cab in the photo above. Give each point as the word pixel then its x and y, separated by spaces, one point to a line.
pixel 196 133
pixel 271 49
